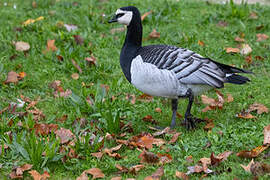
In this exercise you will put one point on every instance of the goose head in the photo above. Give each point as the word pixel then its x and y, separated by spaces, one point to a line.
pixel 126 15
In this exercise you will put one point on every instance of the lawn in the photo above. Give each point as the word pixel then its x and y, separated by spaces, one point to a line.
pixel 94 99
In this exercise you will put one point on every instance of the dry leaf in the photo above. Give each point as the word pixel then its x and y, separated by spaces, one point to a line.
pixel 21 75
pixel 131 98
pixel 266 133
pixel 116 178
pixel 145 15
pixel 164 158
pixel 209 125
pixel 22 46
pixel 158 110
pixel 260 108
pixel 261 37
pixel 145 98
pixel 253 153
pixel 95 172
pixel 248 59
pixel 238 39
pixel 247 168
pixel 189 159
pixel 201 43
pixel 174 138
pixel 65 94
pixel 28 21
pixel 75 76
pixel 260 58
pixel 259 169
pixel 134 169
pixel 149 157
pixel 70 27
pixel 18 172
pixel 79 40
pixel 181 175
pixel 163 131
pixel 232 50
pixel 253 15
pixel 37 176
pixel 205 162
pixel 197 169
pixel 154 34
pixel 76 65
pixel 215 160
pixel 156 175
pixel 149 118
pixel 45 129
pixel 50 45
pixel 245 115
pixel 91 60
pixel 245 49
pixel 12 77
pixel 65 135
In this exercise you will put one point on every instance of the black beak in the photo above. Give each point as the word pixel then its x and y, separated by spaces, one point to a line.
pixel 114 19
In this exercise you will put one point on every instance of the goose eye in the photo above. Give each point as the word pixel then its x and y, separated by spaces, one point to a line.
pixel 119 15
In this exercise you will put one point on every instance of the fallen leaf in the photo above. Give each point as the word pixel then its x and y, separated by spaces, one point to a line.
pixel 245 115
pixel 181 175
pixel 149 157
pixel 156 175
pixel 83 176
pixel 28 21
pixel 209 124
pixel 253 153
pixel 79 40
pixel 189 159
pixel 158 110
pixel 215 160
pixel 37 176
pixel 70 27
pixel 65 94
pixel 205 162
pixel 65 135
pixel 131 98
pixel 22 46
pixel 45 129
pixel 163 131
pixel 259 169
pixel 111 153
pixel 149 118
pixel 154 34
pixel 253 15
pixel 260 58
pixel 12 77
pixel 238 39
pixel 75 76
pixel 197 169
pixel 95 172
pixel 60 58
pixel 261 37
pixel 21 75
pixel 174 138
pixel 18 172
pixel 266 133
pixel 116 178
pixel 164 158
pixel 247 168
pixel 76 65
pixel 34 4
pixel 213 103
pixel 201 43
pixel 145 98
pixel 232 50
pixel 260 108
pixel 91 60
pixel 134 169
pixel 50 46
pixel 248 59
pixel 145 15
pixel 245 49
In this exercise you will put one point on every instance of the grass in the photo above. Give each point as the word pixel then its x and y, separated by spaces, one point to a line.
pixel 181 23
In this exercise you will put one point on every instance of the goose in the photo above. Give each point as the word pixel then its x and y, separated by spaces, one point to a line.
pixel 169 71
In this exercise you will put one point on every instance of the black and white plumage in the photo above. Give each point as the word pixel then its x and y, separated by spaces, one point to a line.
pixel 169 71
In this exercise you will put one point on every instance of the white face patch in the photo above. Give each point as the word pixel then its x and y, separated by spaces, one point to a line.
pixel 126 18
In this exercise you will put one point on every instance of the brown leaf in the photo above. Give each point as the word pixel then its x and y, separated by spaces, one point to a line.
pixel 209 124
pixel 201 43
pixel 83 176
pixel 259 169
pixel 260 58
pixel 37 176
pixel 22 46
pixel 156 175
pixel 149 118
pixel 253 15
pixel 45 129
pixel 213 103
pixel 131 98
pixel 154 34
pixel 79 40
pixel 21 75
pixel 60 58
pixel 18 172
pixel 245 115
pixel 181 175
pixel 163 131
pixel 253 153
pixel 91 60
pixel 260 108
pixel 110 151
pixel 65 135
pixel 134 169
pixel 266 133
pixel 247 168
pixel 116 178
pixel 174 138
pixel 95 172
pixel 261 37
pixel 146 141
pixel 215 160
pixel 75 76
pixel 164 158
pixel 197 169
pixel 62 119
pixel 76 65
pixel 248 59
pixel 238 39
pixel 50 45
pixel 65 94
pixel 149 157
pixel 245 49
pixel 205 162
pixel 158 110
pixel 189 159
pixel 145 15
pixel 12 77
pixel 145 98
pixel 232 50
pixel 97 155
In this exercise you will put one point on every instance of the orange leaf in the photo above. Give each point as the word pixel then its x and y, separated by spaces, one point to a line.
pixel 22 75
pixel 215 160
pixel 158 110
pixel 154 34
pixel 232 50
pixel 149 118
pixel 145 15
pixel 45 129
pixel 164 158
pixel 37 176
pixel 181 175
pixel 50 45
pixel 201 43
pixel 253 153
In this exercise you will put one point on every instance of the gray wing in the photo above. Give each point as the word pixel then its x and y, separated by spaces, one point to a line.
pixel 188 66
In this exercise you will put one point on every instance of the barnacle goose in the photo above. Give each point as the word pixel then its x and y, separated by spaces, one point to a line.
pixel 169 71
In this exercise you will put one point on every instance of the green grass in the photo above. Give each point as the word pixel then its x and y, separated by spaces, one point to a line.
pixel 180 23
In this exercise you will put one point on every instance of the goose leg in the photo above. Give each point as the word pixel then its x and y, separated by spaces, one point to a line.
pixel 174 110
pixel 189 122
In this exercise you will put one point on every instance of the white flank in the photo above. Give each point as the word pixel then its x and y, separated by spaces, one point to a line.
pixel 126 18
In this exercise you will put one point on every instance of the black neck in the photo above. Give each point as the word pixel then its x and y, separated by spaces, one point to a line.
pixel 132 43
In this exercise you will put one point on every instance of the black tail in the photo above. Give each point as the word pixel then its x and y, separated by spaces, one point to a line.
pixel 231 77
pixel 237 79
